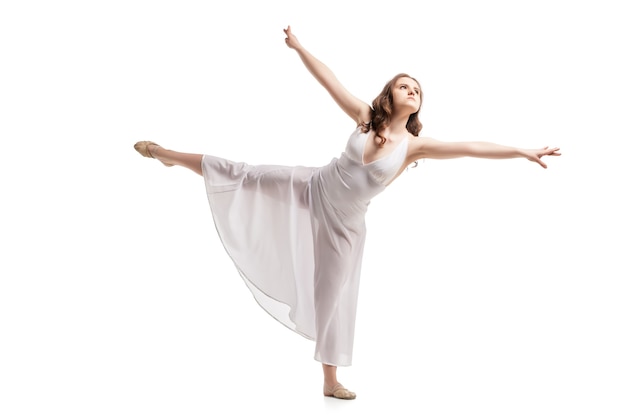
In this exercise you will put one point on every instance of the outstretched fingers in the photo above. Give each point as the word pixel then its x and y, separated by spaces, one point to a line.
pixel 551 151
pixel 291 39
pixel 546 151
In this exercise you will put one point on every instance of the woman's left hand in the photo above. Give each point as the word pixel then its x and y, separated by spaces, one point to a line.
pixel 535 155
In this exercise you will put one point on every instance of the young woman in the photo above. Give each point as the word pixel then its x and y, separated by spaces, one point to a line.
pixel 296 234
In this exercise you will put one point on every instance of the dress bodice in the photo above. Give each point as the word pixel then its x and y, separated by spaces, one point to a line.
pixel 383 169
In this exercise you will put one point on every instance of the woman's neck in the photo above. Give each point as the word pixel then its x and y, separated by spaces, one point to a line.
pixel 397 127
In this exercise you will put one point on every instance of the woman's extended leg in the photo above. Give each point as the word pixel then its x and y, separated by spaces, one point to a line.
pixel 192 161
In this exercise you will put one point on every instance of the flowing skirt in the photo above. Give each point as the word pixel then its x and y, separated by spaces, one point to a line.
pixel 296 237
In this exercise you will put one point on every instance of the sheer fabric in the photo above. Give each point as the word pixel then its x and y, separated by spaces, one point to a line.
pixel 296 235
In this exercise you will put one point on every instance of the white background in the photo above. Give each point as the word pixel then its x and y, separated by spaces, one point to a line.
pixel 491 288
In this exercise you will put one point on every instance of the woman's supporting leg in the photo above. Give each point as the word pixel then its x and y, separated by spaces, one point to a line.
pixel 192 161
pixel 332 387
pixel 330 375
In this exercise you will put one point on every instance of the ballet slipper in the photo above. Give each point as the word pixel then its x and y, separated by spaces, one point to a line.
pixel 339 391
pixel 142 148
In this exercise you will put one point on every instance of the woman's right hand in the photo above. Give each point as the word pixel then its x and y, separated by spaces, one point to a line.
pixel 291 39
pixel 358 110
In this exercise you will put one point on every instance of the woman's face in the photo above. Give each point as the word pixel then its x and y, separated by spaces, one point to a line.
pixel 406 94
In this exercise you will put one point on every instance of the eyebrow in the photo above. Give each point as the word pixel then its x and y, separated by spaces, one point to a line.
pixel 405 84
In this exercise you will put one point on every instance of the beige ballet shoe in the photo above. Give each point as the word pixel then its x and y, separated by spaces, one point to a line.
pixel 339 391
pixel 142 148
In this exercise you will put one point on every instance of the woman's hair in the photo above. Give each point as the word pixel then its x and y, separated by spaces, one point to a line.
pixel 382 106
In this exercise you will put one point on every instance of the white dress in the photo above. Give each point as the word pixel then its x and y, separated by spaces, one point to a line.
pixel 296 235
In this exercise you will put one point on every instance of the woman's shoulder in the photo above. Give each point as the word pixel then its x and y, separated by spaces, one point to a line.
pixel 419 144
pixel 358 135
pixel 419 139
pixel 357 132
pixel 361 128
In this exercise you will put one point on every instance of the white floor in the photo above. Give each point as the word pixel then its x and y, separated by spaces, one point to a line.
pixel 179 344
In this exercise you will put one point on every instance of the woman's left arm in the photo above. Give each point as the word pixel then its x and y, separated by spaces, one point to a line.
pixel 423 147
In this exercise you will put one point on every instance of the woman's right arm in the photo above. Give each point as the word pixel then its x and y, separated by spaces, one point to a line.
pixel 357 109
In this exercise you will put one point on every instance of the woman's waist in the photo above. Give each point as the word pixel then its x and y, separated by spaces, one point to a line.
pixel 347 180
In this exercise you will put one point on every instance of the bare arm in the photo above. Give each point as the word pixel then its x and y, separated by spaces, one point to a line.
pixel 423 147
pixel 357 109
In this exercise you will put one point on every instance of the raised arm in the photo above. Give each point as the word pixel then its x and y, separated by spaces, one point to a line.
pixel 424 147
pixel 357 109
